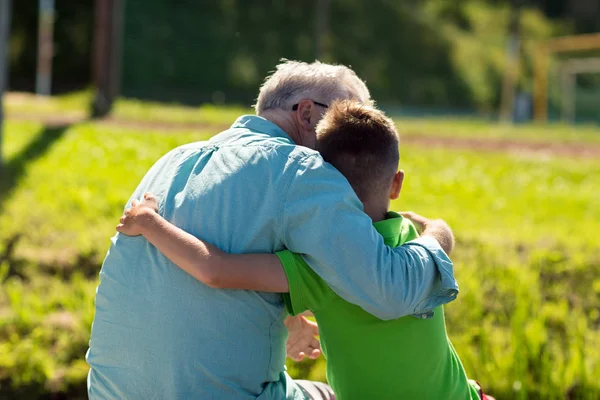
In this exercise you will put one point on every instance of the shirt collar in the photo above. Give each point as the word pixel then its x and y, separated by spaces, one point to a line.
pixel 259 124
pixel 390 228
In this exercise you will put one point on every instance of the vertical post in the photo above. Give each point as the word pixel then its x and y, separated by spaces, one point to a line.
pixel 568 83
pixel 5 12
pixel 106 72
pixel 43 82
pixel 540 84
pixel 322 28
pixel 116 40
pixel 512 64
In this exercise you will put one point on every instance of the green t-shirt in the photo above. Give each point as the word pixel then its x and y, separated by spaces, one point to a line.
pixel 367 358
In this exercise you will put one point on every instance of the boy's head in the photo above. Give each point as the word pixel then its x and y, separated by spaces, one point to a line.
pixel 362 143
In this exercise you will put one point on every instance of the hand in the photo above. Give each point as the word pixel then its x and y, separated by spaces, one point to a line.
pixel 435 228
pixel 301 340
pixel 419 221
pixel 132 221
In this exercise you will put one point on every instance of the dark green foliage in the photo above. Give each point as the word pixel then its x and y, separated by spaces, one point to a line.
pixel 430 54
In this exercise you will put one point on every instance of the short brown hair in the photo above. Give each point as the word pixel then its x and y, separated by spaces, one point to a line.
pixel 362 143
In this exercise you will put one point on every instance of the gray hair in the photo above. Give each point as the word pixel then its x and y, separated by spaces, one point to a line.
pixel 293 81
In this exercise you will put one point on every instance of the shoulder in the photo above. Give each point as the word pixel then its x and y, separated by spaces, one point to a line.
pixel 305 158
pixel 185 150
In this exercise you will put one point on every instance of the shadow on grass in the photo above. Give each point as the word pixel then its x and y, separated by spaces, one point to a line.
pixel 13 170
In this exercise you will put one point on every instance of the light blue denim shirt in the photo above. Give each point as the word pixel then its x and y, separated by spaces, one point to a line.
pixel 160 334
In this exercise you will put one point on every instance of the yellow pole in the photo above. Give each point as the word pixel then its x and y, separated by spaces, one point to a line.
pixel 540 70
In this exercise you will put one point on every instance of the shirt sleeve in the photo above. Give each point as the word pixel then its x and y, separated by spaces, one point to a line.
pixel 307 290
pixel 323 220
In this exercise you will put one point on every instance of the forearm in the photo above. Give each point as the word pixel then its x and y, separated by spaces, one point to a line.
pixel 441 232
pixel 259 272
pixel 197 258
pixel 210 265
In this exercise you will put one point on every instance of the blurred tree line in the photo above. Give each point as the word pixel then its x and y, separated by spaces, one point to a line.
pixel 431 53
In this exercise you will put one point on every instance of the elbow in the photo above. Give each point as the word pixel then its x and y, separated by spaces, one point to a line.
pixel 210 274
pixel 212 278
pixel 399 304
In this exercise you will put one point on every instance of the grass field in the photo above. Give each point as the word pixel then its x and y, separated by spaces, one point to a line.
pixel 77 106
pixel 527 261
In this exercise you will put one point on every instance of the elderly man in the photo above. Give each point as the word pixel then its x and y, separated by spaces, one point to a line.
pixel 257 187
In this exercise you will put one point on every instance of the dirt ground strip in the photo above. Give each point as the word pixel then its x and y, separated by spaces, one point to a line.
pixel 575 150
pixel 569 149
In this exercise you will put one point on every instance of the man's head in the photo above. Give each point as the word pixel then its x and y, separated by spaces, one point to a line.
pixel 296 95
pixel 362 143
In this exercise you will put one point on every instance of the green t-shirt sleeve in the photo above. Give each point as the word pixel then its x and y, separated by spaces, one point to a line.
pixel 307 290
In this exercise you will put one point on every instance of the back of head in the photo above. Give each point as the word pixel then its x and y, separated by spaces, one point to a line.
pixel 293 81
pixel 362 143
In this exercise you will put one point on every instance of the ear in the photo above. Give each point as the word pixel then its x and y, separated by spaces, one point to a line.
pixel 304 114
pixel 396 185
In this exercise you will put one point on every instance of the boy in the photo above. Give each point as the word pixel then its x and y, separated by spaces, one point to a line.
pixel 407 358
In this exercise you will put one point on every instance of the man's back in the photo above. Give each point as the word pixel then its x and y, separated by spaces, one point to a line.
pixel 157 332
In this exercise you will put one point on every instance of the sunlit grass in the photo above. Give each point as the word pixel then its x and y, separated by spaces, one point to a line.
pixel 525 323
pixel 77 105
pixel 485 130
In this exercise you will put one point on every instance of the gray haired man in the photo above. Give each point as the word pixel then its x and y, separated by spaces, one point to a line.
pixel 256 187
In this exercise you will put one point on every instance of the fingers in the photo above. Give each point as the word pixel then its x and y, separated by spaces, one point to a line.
pixel 315 344
pixel 314 354
pixel 302 348
pixel 150 201
pixel 149 196
pixel 411 215
pixel 417 219
pixel 314 326
pixel 309 352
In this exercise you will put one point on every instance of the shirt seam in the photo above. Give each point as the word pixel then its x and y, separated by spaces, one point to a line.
pixel 282 203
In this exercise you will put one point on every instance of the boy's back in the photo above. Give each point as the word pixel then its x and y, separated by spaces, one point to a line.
pixel 410 357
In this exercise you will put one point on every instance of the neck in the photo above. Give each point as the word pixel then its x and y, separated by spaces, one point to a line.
pixel 284 121
pixel 377 210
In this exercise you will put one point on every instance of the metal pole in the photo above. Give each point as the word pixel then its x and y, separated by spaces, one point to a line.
pixel 512 64
pixel 45 48
pixel 5 11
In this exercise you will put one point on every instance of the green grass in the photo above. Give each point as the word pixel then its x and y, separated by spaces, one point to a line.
pixel 77 105
pixel 525 323
pixel 485 130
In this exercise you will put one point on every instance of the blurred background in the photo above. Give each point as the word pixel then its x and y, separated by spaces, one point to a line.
pixel 497 103
pixel 421 57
